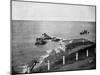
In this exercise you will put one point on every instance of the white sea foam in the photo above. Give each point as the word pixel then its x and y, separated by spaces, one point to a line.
pixel 57 50
pixel 44 56
pixel 25 68
pixel 48 51
pixel 70 41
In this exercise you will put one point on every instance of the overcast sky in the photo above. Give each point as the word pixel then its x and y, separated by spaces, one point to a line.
pixel 54 12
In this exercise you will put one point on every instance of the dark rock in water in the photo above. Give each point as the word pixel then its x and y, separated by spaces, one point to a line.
pixel 84 32
pixel 55 39
pixel 43 40
pixel 46 37
pixel 40 41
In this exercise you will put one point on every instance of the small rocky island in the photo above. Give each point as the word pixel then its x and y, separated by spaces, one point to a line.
pixel 43 40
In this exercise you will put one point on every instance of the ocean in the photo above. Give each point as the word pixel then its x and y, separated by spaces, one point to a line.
pixel 24 34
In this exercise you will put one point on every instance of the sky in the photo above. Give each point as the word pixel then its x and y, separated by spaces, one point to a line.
pixel 51 12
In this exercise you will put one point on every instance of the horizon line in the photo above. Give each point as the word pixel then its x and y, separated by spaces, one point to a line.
pixel 52 20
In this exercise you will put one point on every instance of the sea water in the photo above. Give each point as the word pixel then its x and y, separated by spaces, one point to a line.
pixel 24 34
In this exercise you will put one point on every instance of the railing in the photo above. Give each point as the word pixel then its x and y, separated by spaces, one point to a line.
pixel 64 58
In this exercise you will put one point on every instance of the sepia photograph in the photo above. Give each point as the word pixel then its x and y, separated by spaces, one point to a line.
pixel 52 37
